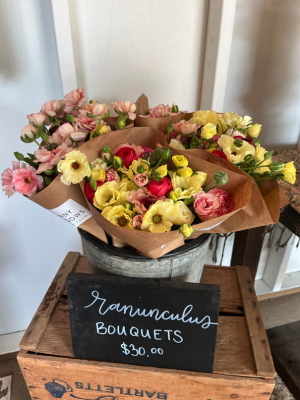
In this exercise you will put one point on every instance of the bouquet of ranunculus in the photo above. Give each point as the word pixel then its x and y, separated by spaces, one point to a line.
pixel 158 117
pixel 234 139
pixel 149 198
pixel 59 127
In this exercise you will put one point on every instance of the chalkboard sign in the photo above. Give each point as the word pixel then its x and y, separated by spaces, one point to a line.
pixel 144 321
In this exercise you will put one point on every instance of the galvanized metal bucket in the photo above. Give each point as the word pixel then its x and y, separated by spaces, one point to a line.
pixel 182 264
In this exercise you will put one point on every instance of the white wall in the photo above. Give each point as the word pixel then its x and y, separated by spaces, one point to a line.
pixel 263 78
pixel 123 48
pixel 33 241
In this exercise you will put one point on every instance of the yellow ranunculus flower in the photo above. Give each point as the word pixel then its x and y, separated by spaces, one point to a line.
pixel 208 131
pixel 182 214
pixel 106 195
pixel 259 155
pixel 235 121
pixel 204 117
pixel 176 144
pixel 102 129
pixel 180 161
pixel 254 130
pixel 156 220
pixel 119 216
pixel 98 175
pixel 186 230
pixel 162 171
pixel 132 170
pixel 185 172
pixel 74 168
pixel 127 186
pixel 187 187
pixel 289 173
pixel 233 153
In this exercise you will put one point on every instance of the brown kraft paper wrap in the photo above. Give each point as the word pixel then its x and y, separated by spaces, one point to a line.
pixel 155 245
pixel 56 194
pixel 266 200
pixel 156 123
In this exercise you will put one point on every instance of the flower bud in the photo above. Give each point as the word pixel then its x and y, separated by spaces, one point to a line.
pixel 170 128
pixel 276 166
pixel 254 130
pixel 173 195
pixel 121 123
pixel 128 206
pixel 70 118
pixel 221 178
pixel 29 133
pixel 118 162
pixel 185 172
pixel 140 169
pixel 180 161
pixel 268 155
pixel 175 108
pixel 186 230
pixel 238 142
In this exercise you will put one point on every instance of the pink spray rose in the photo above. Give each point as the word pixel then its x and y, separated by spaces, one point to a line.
pixel 127 107
pixel 26 181
pixel 137 221
pixel 74 99
pixel 7 176
pixel 50 108
pixel 48 159
pixel 27 130
pixel 159 111
pixel 86 117
pixel 141 180
pixel 67 130
pixel 38 119
pixel 205 205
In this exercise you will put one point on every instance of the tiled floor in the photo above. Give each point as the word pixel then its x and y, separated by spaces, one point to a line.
pixel 275 312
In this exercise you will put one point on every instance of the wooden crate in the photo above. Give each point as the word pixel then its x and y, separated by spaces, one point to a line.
pixel 243 366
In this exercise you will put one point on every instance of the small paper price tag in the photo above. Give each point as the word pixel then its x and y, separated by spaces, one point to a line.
pixel 72 212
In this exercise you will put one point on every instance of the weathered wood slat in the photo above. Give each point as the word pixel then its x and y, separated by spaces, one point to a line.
pixel 127 380
pixel 257 333
pixel 233 348
pixel 43 314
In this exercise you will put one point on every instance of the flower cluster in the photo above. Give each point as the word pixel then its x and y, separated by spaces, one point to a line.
pixel 59 127
pixel 163 111
pixel 233 138
pixel 133 188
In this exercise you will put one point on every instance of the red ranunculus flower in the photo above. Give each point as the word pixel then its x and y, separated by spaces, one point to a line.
pixel 161 188
pixel 127 154
pixel 220 154
pixel 89 192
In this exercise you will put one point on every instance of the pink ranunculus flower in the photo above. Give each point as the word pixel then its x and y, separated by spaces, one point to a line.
pixel 138 149
pixel 51 108
pixel 27 130
pixel 127 107
pixel 141 180
pixel 74 99
pixel 234 134
pixel 88 123
pixel 95 108
pixel 185 127
pixel 205 205
pixel 142 199
pixel 7 176
pixel 137 221
pixel 160 111
pixel 48 159
pixel 38 119
pixel 26 181
pixel 67 131
pixel 145 150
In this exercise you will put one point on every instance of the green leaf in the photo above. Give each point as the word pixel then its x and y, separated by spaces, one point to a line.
pixel 91 167
pixel 29 140
pixel 93 184
pixel 44 136
pixel 48 180
pixel 49 172
pixel 140 169
pixel 238 142
pixel 29 161
pixel 19 156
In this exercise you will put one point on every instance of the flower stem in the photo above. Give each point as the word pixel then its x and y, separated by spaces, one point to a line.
pixel 209 186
